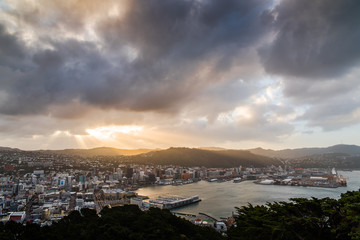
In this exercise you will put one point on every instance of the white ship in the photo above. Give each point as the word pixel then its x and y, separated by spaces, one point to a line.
pixel 237 180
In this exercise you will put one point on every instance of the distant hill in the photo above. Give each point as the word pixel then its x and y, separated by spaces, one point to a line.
pixel 340 156
pixel 7 149
pixel 352 150
pixel 206 158
pixel 212 148
pixel 101 151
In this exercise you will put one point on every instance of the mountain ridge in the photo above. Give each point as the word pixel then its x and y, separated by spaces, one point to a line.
pixel 198 157
pixel 352 150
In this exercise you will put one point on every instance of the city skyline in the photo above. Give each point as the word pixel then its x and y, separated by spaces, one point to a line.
pixel 187 73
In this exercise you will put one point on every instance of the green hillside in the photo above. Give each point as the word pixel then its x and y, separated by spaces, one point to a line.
pixel 199 157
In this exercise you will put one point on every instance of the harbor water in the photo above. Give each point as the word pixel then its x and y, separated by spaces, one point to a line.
pixel 219 199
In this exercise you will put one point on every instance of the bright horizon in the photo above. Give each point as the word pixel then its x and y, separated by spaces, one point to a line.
pixel 153 74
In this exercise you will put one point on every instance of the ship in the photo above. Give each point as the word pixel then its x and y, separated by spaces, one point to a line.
pixel 213 180
pixel 173 202
pixel 237 180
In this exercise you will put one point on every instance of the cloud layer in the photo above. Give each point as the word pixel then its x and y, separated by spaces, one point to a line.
pixel 233 71
pixel 314 39
pixel 153 57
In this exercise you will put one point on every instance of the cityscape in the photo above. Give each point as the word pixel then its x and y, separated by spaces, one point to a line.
pixel 40 188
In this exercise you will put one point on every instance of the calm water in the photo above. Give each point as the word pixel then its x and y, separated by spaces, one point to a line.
pixel 219 199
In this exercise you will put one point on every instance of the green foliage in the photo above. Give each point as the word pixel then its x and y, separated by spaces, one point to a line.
pixel 300 219
pixel 127 222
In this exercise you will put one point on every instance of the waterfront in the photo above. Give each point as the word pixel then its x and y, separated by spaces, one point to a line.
pixel 219 199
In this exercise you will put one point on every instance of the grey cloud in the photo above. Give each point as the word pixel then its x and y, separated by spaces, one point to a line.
pixel 316 50
pixel 314 39
pixel 261 131
pixel 301 92
pixel 261 126
pixel 330 104
pixel 11 51
pixel 51 76
pixel 333 115
pixel 181 29
pixel 220 97
pixel 174 47
pixel 176 41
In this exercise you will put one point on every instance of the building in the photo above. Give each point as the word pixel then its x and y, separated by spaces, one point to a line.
pixel 18 217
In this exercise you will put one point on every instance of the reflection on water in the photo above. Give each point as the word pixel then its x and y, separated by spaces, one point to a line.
pixel 219 199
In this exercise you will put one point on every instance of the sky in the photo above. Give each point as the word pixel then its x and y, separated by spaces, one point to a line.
pixel 192 73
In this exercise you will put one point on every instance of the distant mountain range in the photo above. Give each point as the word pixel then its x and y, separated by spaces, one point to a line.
pixel 351 150
pixel 345 156
pixel 9 149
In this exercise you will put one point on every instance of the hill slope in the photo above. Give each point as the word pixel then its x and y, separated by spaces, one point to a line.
pixel 352 150
pixel 206 158
pixel 7 149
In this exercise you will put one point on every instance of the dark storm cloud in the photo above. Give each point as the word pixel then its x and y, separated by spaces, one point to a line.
pixel 50 76
pixel 157 56
pixel 315 48
pixel 11 52
pixel 176 41
pixel 314 38
pixel 181 28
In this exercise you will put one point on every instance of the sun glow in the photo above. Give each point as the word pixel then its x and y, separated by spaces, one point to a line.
pixel 112 131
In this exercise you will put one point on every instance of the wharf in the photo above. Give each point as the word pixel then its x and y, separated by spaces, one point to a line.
pixel 173 202
pixel 305 182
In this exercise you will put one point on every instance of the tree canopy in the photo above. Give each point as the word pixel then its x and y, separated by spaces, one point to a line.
pixel 300 218
pixel 126 222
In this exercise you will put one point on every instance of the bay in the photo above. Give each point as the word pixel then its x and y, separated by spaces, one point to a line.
pixel 220 199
